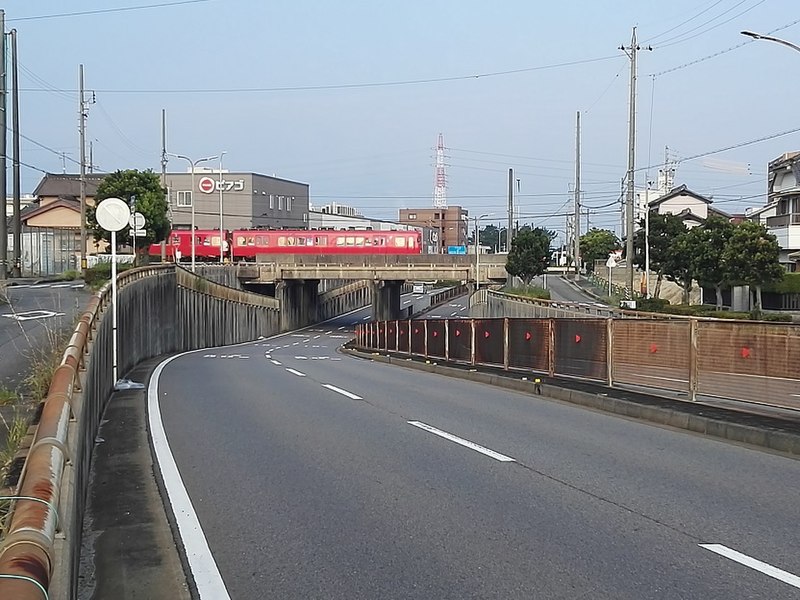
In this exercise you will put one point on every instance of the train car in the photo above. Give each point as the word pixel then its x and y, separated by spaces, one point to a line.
pixel 246 244
pixel 179 245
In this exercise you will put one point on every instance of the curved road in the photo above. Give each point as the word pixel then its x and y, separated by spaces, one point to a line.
pixel 318 475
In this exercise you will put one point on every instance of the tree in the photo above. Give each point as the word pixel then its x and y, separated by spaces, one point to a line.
pixel 664 230
pixel 679 264
pixel 530 253
pixel 751 256
pixel 710 267
pixel 597 244
pixel 150 198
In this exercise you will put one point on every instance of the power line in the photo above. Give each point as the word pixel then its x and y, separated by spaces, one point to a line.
pixel 344 86
pixel 736 16
pixel 105 10
pixel 681 24
pixel 740 145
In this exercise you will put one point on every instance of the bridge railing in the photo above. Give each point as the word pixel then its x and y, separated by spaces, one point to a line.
pixel 751 362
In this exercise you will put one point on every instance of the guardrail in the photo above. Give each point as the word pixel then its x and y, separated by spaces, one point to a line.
pixel 752 362
pixel 166 309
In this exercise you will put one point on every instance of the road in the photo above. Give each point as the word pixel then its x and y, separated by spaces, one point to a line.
pixel 317 475
pixel 562 291
pixel 34 314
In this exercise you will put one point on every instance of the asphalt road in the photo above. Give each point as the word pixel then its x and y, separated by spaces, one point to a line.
pixel 562 291
pixel 34 314
pixel 318 475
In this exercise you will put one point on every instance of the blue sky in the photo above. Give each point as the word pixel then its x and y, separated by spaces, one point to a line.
pixel 319 92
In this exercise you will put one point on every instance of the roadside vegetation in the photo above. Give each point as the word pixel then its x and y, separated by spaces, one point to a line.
pixel 100 274
pixel 529 291
pixel 19 408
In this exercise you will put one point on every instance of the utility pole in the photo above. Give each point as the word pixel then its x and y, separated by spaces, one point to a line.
pixel 3 125
pixel 577 230
pixel 91 156
pixel 632 52
pixel 164 161
pixel 510 233
pixel 82 131
pixel 16 270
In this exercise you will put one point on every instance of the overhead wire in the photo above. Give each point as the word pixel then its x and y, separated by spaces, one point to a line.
pixel 681 24
pixel 680 39
pixel 105 11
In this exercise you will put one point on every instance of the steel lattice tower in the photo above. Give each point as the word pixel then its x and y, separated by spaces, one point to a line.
pixel 440 180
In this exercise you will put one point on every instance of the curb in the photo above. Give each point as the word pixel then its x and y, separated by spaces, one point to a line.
pixel 772 438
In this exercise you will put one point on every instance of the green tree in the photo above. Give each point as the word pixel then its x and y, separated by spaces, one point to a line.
pixel 596 244
pixel 530 253
pixel 710 267
pixel 751 256
pixel 150 198
pixel 664 230
pixel 679 260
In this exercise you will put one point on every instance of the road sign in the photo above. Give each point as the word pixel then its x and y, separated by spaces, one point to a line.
pixel 137 232
pixel 206 185
pixel 137 221
pixel 456 249
pixel 112 214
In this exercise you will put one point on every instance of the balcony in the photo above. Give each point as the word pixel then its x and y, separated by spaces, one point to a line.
pixel 783 220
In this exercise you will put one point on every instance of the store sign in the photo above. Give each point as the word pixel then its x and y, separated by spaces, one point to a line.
pixel 207 185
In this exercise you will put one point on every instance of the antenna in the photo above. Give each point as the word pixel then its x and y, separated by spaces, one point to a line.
pixel 440 181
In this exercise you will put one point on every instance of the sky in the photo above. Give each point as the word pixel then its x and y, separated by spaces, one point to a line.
pixel 350 96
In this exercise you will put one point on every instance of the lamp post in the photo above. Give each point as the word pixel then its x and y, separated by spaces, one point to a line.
pixel 221 234
pixel 478 250
pixel 769 38
pixel 192 165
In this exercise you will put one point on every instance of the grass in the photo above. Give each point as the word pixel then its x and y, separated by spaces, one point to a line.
pixel 530 291
pixel 7 396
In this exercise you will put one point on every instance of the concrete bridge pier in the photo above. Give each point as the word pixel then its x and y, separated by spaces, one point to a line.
pixel 299 302
pixel 386 299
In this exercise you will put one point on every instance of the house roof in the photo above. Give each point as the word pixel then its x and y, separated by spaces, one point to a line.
pixel 761 209
pixel 35 210
pixel 687 215
pixel 67 185
pixel 681 190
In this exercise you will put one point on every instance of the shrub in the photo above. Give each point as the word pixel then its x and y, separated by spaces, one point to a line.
pixel 97 275
pixel 529 292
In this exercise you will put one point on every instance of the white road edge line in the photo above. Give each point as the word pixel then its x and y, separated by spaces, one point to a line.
pixel 276 362
pixel 333 388
pixel 753 563
pixel 203 567
pixel 462 441
pixel 295 372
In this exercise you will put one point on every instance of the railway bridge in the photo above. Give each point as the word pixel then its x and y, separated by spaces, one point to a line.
pixel 296 277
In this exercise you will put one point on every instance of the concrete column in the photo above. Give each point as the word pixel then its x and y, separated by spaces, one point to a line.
pixel 386 300
pixel 299 302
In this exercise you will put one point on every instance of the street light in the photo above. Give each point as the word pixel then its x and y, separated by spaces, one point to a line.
pixel 221 235
pixel 478 249
pixel 769 38
pixel 192 165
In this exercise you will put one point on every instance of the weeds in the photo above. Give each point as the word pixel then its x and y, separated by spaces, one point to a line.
pixel 7 396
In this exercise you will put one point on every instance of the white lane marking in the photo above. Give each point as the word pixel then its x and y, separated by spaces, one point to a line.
pixel 758 565
pixel 341 328
pixel 454 313
pixel 267 356
pixel 338 337
pixel 463 442
pixel 305 341
pixel 316 337
pixel 795 395
pixel 294 372
pixel 275 362
pixel 333 388
pixel 367 318
pixel 203 567
pixel 297 335
pixel 336 359
pixel 209 356
pixel 406 302
pixel 301 358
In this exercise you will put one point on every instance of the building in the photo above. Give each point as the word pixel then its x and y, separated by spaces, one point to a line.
pixel 690 206
pixel 334 208
pixel 448 225
pixel 245 199
pixel 781 214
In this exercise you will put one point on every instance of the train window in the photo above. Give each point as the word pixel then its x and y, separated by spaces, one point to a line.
pixel 400 241
pixel 301 241
pixel 379 241
pixel 360 241
pixel 176 240
pixel 290 241
pixel 351 240
pixel 321 241
pixel 340 241
pixel 215 240
pixel 411 241
pixel 282 240
pixel 241 241
pixel 262 240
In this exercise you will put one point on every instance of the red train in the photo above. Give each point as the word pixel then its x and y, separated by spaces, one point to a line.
pixel 245 244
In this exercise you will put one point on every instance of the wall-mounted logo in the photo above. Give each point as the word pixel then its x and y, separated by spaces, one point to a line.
pixel 207 185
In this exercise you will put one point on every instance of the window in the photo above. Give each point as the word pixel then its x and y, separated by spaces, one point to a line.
pixel 262 240
pixel 351 240
pixel 184 197
pixel 360 241
pixel 289 200
pixel 340 241
pixel 280 202
pixel 215 240
pixel 412 216
pixel 305 218
pixel 320 241
pixel 271 202
pixel 282 240
pixel 400 241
